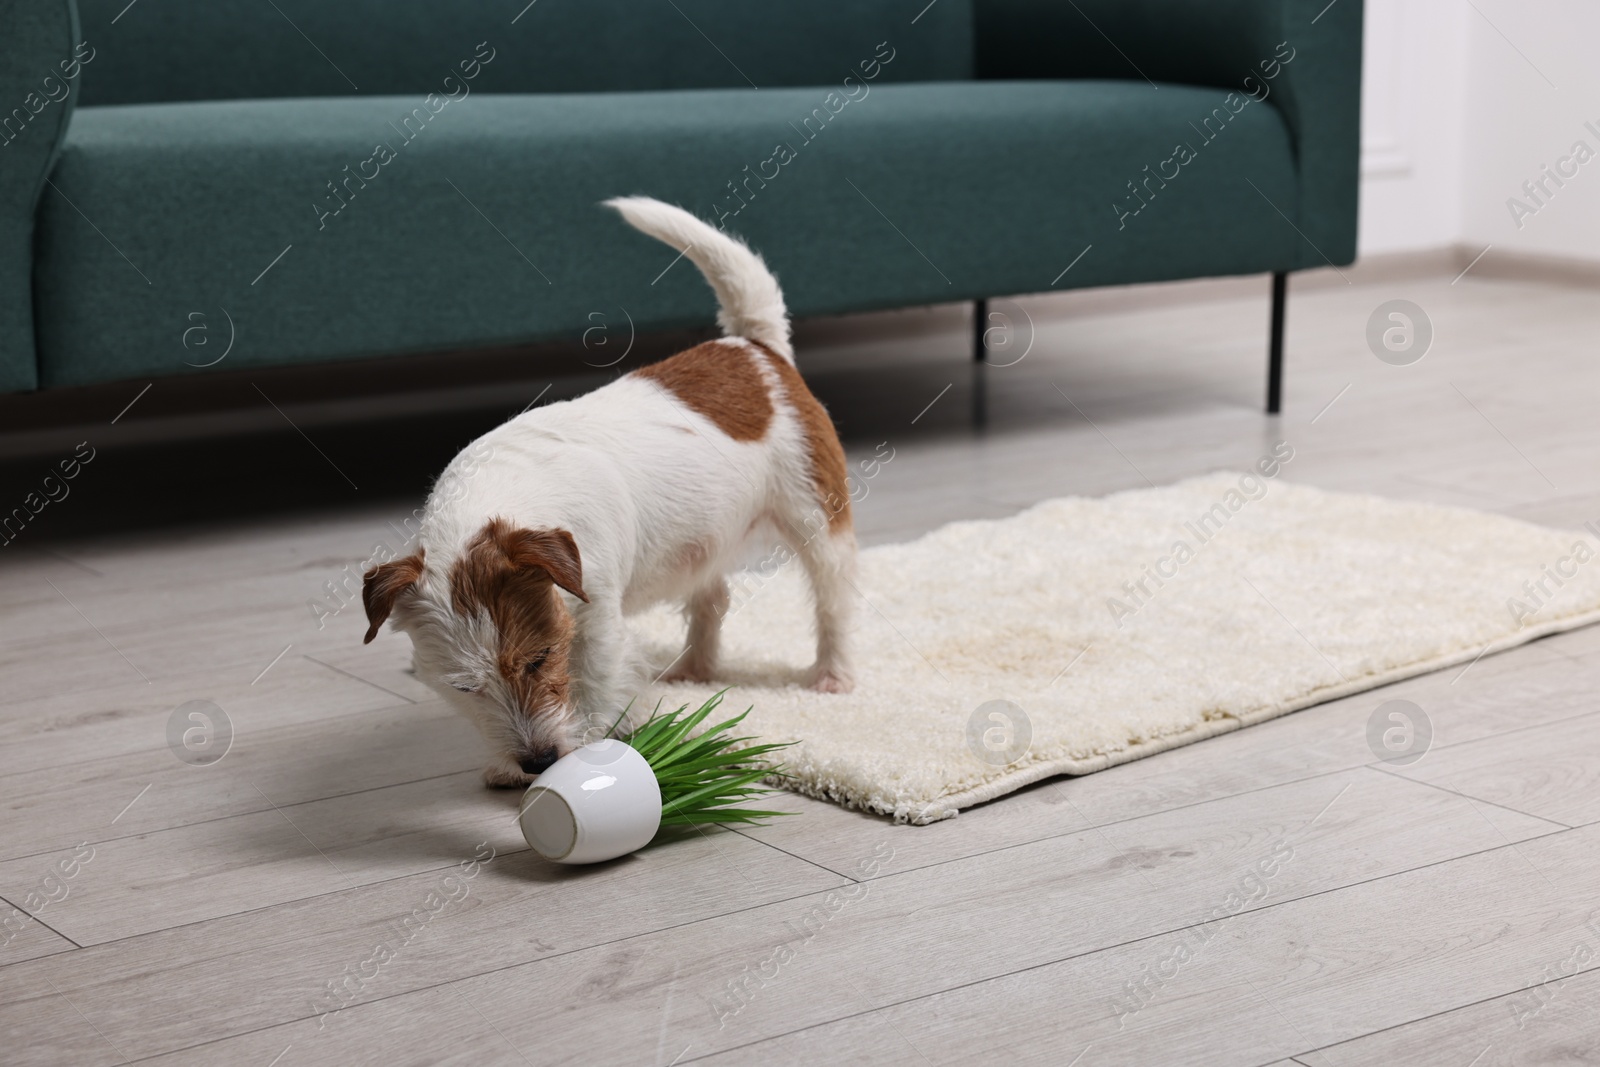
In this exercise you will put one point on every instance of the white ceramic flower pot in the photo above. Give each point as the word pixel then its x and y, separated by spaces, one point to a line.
pixel 596 803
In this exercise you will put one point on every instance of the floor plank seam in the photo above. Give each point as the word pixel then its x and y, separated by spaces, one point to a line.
pixel 1247 792
pixel 125 754
pixel 358 678
pixel 41 922
pixel 791 855
pixel 365 885
pixel 244 667
pixel 1067 779
pixel 1472 799
pixel 1123 944
pixel 1519 729
pixel 462 978
pixel 278 904
pixel 252 811
pixel 1048 837
pixel 1576 661
pixel 64 558
pixel 1447 1011
pixel 929 866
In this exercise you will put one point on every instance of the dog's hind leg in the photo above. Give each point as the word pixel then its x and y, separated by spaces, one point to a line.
pixel 829 558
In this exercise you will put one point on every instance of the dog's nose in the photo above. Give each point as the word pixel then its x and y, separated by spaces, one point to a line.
pixel 537 762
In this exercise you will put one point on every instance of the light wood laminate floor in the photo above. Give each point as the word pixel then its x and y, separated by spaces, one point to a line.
pixel 1269 897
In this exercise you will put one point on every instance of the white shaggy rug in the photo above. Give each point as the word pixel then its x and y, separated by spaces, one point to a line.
pixel 1117 643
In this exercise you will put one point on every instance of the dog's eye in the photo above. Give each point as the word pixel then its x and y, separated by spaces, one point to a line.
pixel 465 688
pixel 536 662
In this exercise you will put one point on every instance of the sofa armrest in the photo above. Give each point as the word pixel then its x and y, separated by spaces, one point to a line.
pixel 38 76
pixel 1220 43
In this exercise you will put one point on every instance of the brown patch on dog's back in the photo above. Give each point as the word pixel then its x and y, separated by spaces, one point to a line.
pixel 721 382
pixel 828 471
pixel 510 574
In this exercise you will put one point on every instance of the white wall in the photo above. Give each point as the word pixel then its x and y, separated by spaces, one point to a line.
pixel 1414 68
pixel 1518 123
pixel 1464 101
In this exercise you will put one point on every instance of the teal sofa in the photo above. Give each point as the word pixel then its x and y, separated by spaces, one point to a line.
pixel 324 180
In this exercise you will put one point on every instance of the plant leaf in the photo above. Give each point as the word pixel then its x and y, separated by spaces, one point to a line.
pixel 686 800
pixel 703 777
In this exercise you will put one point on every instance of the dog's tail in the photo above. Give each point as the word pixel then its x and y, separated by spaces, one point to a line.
pixel 750 304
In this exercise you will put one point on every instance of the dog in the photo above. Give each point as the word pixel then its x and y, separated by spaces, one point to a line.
pixel 544 534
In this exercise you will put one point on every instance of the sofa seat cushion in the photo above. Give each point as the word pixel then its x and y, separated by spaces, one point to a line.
pixel 481 227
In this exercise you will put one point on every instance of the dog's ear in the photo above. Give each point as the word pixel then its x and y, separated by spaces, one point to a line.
pixel 552 551
pixel 382 587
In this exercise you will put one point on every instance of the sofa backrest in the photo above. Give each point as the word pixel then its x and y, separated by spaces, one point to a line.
pixel 1192 42
pixel 171 50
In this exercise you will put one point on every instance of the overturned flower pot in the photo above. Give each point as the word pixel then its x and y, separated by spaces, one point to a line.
pixel 613 797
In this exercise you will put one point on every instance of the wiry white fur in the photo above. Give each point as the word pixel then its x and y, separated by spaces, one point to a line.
pixel 751 304
pixel 661 504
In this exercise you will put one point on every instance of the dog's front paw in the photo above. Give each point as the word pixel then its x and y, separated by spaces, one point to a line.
pixel 694 674
pixel 505 774
pixel 692 665
pixel 832 680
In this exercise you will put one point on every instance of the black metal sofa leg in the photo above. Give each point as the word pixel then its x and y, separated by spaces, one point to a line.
pixel 980 365
pixel 1280 291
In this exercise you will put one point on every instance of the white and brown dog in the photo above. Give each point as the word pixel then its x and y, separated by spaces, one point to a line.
pixel 542 535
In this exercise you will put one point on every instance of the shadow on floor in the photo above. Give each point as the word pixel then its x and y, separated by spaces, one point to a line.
pixel 381 460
